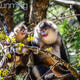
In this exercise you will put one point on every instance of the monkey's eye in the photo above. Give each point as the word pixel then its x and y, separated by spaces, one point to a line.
pixel 44 29
pixel 22 29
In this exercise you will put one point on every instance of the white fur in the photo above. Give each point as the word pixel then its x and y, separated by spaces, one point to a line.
pixel 56 51
pixel 36 34
pixel 11 35
pixel 19 26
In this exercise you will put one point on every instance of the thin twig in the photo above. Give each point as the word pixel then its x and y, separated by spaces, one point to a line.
pixel 48 70
pixel 68 2
pixel 1 2
pixel 21 7
pixel 61 18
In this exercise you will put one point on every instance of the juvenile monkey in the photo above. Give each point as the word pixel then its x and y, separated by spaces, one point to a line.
pixel 46 34
pixel 20 34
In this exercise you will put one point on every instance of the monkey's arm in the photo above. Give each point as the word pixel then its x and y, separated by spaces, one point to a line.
pixel 45 60
pixel 63 52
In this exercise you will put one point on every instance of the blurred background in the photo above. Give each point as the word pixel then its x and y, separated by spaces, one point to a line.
pixel 64 13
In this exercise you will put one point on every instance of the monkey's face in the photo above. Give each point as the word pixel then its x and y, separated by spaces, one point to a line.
pixel 48 35
pixel 22 32
pixel 46 32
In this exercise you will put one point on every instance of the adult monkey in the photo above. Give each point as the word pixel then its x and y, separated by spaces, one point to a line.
pixel 46 34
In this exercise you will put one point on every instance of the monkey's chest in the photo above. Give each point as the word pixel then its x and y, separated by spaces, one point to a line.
pixel 49 49
pixel 53 50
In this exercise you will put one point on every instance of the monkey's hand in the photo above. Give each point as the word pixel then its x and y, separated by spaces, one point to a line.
pixel 49 76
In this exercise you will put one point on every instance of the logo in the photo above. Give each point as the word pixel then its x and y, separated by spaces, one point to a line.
pixel 14 5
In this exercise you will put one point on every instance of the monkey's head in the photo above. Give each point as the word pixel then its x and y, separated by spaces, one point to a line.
pixel 46 32
pixel 20 30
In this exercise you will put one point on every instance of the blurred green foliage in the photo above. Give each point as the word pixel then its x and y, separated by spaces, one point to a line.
pixel 18 14
pixel 70 31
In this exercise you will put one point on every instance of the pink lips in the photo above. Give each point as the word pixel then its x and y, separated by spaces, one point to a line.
pixel 45 35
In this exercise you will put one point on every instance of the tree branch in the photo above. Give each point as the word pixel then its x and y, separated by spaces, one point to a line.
pixel 61 18
pixel 3 61
pixel 1 2
pixel 68 2
pixel 50 59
